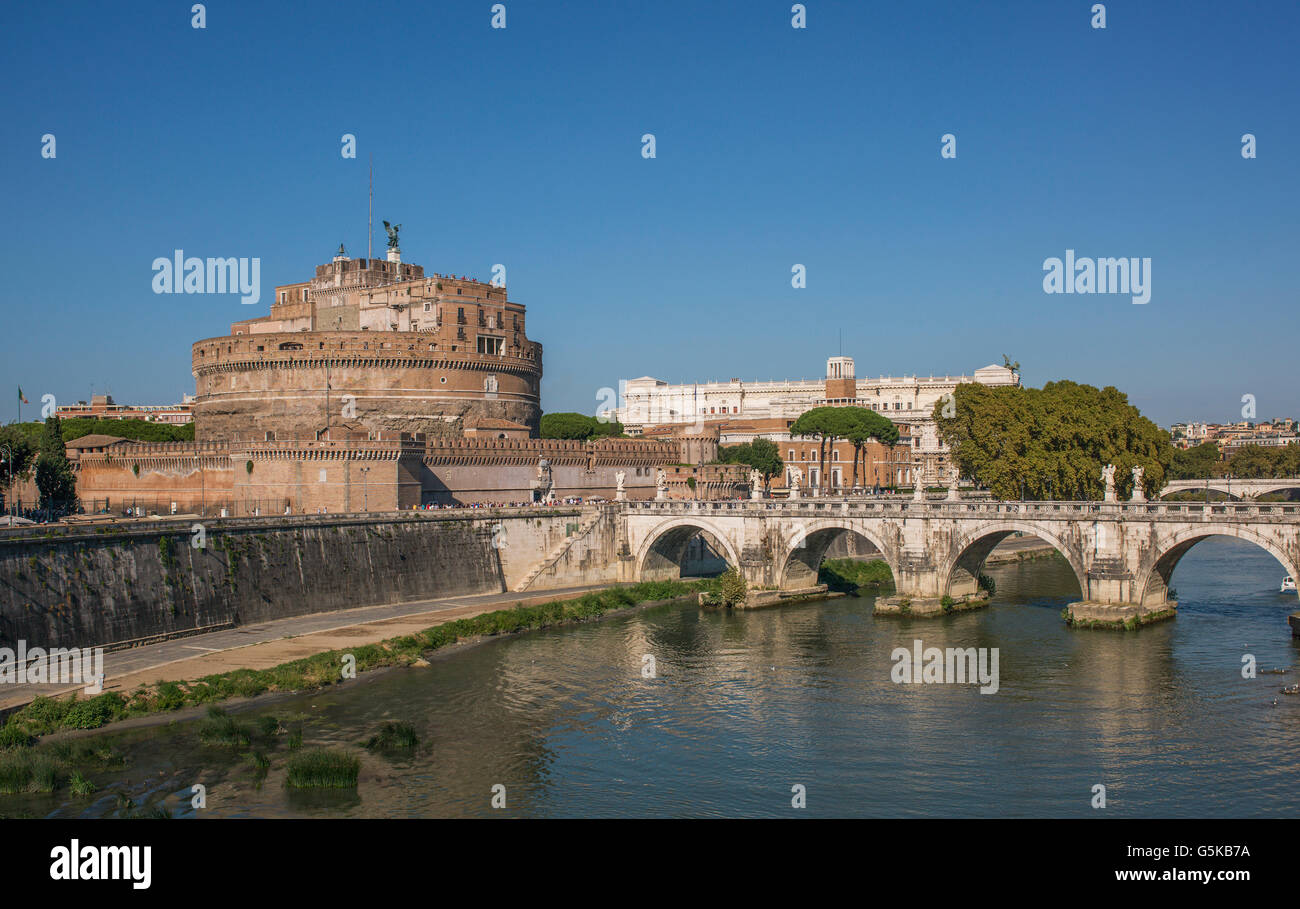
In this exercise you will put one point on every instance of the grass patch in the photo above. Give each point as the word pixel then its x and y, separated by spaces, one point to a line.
pixel 220 729
pixel 27 771
pixel 80 786
pixel 393 735
pixel 319 768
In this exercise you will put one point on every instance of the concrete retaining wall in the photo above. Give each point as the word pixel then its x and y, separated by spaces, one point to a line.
pixel 116 585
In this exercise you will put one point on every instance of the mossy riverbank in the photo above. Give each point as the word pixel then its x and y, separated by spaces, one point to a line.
pixel 46 715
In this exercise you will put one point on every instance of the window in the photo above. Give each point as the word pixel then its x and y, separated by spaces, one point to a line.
pixel 428 307
pixel 490 345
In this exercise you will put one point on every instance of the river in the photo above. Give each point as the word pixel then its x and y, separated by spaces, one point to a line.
pixel 744 706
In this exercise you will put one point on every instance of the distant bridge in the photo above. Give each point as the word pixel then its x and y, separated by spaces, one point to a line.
pixel 1237 489
pixel 1122 553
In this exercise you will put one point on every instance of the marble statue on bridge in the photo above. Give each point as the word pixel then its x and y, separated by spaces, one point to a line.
pixel 1139 494
pixel 1108 477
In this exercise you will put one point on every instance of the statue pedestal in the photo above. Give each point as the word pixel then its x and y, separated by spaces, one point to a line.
pixel 620 496
pixel 395 254
pixel 756 493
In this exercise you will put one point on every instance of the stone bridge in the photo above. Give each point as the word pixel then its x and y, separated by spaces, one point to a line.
pixel 1237 489
pixel 1122 553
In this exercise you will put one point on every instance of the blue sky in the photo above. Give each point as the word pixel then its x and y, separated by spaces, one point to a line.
pixel 775 146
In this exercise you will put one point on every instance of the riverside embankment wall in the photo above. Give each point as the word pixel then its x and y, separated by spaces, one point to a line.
pixel 122 584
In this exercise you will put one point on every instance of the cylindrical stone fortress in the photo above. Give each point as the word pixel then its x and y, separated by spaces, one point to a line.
pixel 369 345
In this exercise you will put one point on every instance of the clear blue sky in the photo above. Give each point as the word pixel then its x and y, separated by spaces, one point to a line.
pixel 775 146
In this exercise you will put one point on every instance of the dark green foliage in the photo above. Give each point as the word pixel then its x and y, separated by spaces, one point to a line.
pixel 577 426
pixel 393 735
pixel 760 454
pixel 136 430
pixel 1052 442
pixel 319 768
pixel 850 574
pixel 733 588
pixel 220 729
pixel 13 737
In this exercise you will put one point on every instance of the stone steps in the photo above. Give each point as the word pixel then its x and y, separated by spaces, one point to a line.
pixel 557 554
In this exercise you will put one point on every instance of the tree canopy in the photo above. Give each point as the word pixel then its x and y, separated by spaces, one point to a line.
pixel 578 426
pixel 760 454
pixel 136 430
pixel 856 425
pixel 1054 440
pixel 54 478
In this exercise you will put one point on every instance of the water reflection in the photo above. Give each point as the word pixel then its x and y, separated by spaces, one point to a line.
pixel 745 705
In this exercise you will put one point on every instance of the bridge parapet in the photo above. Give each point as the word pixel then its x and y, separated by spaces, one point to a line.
pixel 1282 512
pixel 1122 553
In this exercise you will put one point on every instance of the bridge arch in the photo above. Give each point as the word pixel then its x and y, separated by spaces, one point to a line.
pixel 1237 490
pixel 662 551
pixel 959 574
pixel 801 553
pixel 1158 567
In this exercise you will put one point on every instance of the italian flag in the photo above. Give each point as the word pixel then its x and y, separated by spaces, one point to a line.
pixel 22 399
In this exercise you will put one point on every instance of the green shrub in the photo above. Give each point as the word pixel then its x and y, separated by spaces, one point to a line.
pixel 734 587
pixel 95 712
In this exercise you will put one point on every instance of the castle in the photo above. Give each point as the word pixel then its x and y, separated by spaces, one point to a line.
pixel 373 387
pixel 372 344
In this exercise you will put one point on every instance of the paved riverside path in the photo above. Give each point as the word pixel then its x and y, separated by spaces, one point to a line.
pixel 266 644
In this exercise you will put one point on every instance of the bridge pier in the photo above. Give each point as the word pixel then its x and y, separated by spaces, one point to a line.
pixel 1119 616
pixel 1122 554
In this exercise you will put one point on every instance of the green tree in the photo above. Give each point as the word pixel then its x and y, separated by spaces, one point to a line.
pixel 1255 462
pixel 863 425
pixel 826 425
pixel 1196 463
pixel 54 478
pixel 1052 442
pixel 760 454
pixel 578 426
pixel 567 426
pixel 17 455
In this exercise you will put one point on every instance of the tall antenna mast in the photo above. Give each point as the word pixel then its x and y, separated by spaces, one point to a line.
pixel 370 223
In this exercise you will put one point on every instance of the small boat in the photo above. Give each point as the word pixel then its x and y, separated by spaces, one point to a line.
pixel 1288 584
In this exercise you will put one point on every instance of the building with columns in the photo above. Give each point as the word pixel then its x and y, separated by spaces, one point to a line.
pixel 765 409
